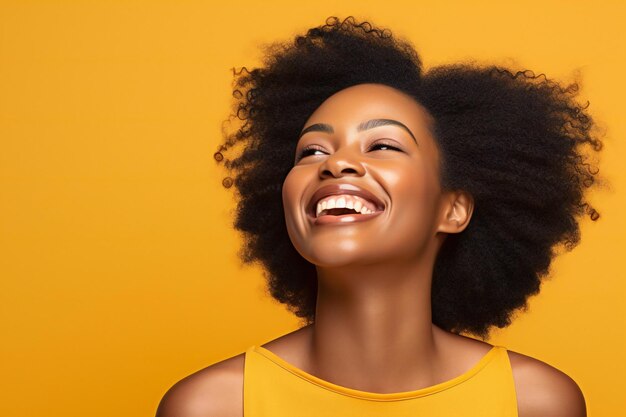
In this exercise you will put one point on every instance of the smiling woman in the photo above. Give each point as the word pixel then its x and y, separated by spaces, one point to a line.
pixel 383 165
pixel 397 213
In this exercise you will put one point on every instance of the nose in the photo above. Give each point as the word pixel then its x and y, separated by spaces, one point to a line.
pixel 341 162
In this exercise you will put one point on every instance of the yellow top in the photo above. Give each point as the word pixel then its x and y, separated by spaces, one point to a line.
pixel 275 388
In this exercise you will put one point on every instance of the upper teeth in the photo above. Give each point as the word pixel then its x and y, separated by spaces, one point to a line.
pixel 350 201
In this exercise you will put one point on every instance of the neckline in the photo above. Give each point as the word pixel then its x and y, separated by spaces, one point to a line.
pixel 403 395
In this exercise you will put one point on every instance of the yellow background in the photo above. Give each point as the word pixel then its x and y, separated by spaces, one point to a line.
pixel 118 263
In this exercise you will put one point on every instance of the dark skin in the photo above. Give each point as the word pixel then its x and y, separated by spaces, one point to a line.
pixel 373 330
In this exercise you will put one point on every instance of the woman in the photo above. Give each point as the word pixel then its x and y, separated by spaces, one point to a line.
pixel 397 212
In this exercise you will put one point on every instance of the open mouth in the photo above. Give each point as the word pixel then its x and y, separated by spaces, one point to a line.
pixel 344 208
pixel 337 205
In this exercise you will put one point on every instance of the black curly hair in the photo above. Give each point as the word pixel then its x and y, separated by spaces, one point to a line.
pixel 513 140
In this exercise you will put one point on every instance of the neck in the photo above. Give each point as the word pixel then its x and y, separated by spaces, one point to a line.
pixel 373 329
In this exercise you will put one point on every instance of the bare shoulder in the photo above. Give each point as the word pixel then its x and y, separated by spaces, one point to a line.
pixel 214 391
pixel 543 390
pixel 217 390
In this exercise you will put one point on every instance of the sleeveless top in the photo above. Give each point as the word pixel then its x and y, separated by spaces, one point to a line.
pixel 275 388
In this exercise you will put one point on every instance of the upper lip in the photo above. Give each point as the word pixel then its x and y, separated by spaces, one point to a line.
pixel 342 188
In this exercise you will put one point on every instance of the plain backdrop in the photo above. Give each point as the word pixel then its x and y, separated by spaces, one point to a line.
pixel 118 262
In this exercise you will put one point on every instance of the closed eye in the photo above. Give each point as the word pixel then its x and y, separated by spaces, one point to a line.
pixel 309 150
pixel 315 150
pixel 385 145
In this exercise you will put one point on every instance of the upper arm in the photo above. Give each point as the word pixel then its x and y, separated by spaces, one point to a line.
pixel 215 391
pixel 545 391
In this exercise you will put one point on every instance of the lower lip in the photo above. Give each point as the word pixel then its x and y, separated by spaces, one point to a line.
pixel 344 218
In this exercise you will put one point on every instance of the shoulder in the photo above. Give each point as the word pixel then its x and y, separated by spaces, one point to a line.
pixel 217 390
pixel 542 390
pixel 214 391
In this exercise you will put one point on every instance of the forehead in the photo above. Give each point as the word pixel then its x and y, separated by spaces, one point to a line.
pixel 357 103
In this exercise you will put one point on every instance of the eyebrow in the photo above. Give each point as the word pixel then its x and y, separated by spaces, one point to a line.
pixel 369 124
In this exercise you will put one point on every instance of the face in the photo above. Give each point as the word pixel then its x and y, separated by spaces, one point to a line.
pixel 392 164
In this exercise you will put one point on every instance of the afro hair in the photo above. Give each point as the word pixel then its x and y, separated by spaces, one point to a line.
pixel 513 140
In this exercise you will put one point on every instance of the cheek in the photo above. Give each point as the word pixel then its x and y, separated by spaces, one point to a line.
pixel 293 189
pixel 414 197
pixel 413 184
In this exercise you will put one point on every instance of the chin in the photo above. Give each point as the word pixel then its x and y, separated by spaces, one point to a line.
pixel 339 255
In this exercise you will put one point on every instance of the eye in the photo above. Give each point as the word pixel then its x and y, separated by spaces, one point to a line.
pixel 307 151
pixel 386 145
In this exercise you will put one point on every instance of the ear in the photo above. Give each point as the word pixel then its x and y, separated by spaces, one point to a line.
pixel 457 207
